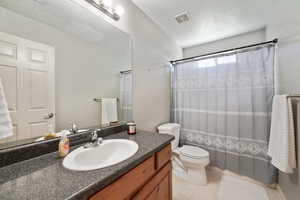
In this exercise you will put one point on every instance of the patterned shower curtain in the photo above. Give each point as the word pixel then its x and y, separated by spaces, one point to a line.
pixel 224 106
pixel 126 96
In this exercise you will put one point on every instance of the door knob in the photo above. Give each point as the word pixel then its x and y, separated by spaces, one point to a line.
pixel 49 116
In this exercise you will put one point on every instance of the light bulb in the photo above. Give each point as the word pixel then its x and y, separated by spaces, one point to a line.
pixel 119 10
pixel 107 3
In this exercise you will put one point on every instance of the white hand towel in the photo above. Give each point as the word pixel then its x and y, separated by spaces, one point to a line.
pixel 282 136
pixel 6 128
pixel 109 110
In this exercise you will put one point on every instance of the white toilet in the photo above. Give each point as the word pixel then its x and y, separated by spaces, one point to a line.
pixel 189 162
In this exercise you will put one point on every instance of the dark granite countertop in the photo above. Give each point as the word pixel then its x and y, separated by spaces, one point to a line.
pixel 45 177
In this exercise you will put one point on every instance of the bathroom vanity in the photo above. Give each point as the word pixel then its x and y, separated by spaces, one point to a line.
pixel 145 175
pixel 152 179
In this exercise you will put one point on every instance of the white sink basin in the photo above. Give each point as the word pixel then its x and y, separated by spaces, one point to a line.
pixel 108 153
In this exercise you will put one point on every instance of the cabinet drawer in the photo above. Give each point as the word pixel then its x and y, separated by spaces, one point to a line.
pixel 128 183
pixel 152 187
pixel 163 156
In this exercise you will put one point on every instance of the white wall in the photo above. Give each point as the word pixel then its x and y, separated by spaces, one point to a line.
pixel 151 48
pixel 288 32
pixel 83 70
pixel 289 67
pixel 227 43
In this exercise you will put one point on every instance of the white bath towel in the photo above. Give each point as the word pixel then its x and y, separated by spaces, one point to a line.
pixel 6 128
pixel 282 136
pixel 109 111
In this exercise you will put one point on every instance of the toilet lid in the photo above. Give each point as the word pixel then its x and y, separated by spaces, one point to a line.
pixel 168 127
pixel 193 152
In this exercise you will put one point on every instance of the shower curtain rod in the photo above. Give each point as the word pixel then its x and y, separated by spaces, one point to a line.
pixel 224 51
pixel 124 72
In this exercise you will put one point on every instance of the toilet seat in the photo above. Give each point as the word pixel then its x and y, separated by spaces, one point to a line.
pixel 193 152
pixel 194 160
pixel 188 161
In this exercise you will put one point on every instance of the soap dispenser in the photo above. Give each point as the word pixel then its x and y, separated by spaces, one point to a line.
pixel 64 145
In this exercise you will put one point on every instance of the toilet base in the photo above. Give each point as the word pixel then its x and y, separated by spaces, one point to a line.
pixel 192 175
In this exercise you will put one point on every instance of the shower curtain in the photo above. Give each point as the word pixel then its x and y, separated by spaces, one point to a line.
pixel 223 104
pixel 126 96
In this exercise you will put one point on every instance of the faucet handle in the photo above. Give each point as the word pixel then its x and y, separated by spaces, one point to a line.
pixel 94 135
pixel 94 139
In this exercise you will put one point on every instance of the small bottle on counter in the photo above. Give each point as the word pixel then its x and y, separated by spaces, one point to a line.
pixel 50 134
pixel 64 145
pixel 131 128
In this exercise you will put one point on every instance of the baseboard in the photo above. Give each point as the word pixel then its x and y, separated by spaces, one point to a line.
pixel 282 196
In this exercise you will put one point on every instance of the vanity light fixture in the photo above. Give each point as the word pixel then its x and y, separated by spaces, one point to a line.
pixel 105 6
pixel 107 3
pixel 119 10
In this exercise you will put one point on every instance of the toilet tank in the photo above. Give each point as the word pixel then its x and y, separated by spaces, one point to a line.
pixel 171 129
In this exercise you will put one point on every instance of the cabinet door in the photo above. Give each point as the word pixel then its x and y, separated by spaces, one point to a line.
pixel 155 188
pixel 153 195
pixel 164 191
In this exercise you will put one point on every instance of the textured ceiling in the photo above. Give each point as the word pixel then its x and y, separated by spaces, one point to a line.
pixel 70 17
pixel 211 20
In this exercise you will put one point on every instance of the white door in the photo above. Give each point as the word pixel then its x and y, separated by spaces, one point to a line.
pixel 27 73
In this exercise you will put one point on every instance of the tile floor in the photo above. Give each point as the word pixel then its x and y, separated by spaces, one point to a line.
pixel 183 190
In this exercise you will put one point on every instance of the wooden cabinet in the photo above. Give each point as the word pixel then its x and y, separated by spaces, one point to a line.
pixel 151 180
pixel 158 186
pixel 162 191
pixel 164 188
pixel 162 157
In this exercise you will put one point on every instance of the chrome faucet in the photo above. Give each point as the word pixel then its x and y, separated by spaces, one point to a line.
pixel 94 137
pixel 74 129
pixel 95 140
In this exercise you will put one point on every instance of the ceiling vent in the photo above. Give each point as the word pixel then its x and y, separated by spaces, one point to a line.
pixel 182 17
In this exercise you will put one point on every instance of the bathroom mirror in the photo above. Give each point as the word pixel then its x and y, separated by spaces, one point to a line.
pixel 60 65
